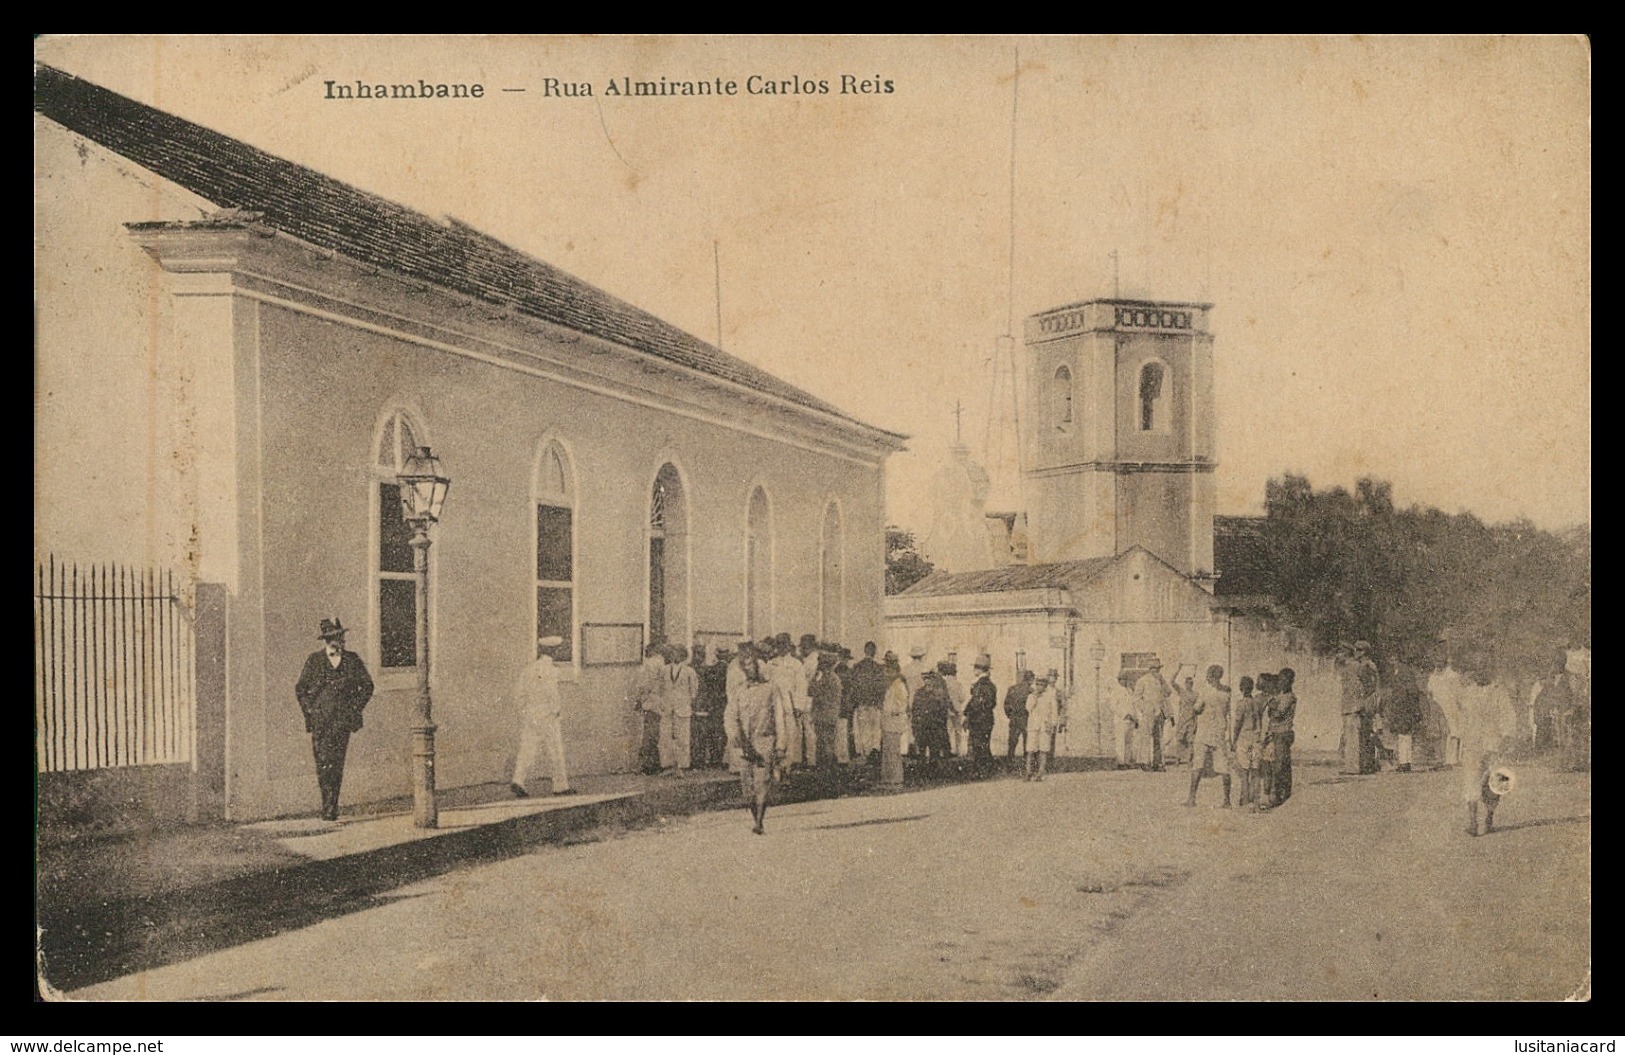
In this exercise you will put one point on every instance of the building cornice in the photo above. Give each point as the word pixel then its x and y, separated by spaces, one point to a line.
pixel 1123 317
pixel 1046 601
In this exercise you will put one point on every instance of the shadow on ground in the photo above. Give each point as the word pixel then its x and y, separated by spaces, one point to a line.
pixel 1579 818
pixel 83 941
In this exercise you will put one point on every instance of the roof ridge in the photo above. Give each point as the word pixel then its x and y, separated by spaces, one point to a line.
pixel 1047 575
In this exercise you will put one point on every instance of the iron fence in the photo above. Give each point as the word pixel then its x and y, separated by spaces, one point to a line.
pixel 113 667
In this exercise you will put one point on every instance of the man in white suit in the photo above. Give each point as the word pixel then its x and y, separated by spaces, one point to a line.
pixel 540 732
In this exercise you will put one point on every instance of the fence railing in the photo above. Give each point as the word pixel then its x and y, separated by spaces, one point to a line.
pixel 113 667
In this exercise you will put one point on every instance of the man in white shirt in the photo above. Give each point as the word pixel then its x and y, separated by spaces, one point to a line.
pixel 647 699
pixel 806 729
pixel 913 672
pixel 958 697
pixel 757 718
pixel 1043 719
pixel 787 671
pixel 540 732
pixel 1487 720
pixel 1446 687
pixel 740 670
pixel 1151 709
pixel 679 685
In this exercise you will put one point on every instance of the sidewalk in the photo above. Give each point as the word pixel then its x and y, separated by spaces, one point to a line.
pixel 110 906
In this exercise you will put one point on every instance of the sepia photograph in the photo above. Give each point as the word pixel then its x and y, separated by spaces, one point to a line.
pixel 812 518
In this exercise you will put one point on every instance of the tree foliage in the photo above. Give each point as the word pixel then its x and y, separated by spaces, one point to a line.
pixel 1413 582
pixel 904 564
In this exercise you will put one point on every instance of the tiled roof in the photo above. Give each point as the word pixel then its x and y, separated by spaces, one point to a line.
pixel 1241 557
pixel 365 227
pixel 1062 575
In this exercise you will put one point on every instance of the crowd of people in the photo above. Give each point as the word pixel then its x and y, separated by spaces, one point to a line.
pixel 1244 737
pixel 771 707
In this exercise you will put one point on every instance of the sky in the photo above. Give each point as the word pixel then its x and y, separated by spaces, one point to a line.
pixel 1395 233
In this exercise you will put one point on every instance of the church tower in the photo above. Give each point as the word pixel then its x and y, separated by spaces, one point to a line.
pixel 1119 444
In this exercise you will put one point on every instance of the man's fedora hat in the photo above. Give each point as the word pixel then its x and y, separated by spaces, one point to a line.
pixel 917 652
pixel 331 628
pixel 550 642
pixel 984 662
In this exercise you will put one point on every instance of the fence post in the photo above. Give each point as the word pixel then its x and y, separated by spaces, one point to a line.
pixel 209 659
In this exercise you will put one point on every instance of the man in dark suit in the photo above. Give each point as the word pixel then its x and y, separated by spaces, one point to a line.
pixel 710 738
pixel 333 690
pixel 1015 712
pixel 979 713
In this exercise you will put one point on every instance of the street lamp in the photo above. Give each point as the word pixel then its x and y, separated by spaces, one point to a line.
pixel 423 492
pixel 1097 652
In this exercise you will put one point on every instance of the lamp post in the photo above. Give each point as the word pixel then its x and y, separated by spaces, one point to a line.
pixel 1097 652
pixel 423 491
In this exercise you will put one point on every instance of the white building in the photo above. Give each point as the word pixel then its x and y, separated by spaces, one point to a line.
pixel 234 355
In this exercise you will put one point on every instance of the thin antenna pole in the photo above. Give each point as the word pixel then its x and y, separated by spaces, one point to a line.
pixel 1003 360
pixel 1010 291
pixel 1207 253
pixel 992 404
pixel 1145 238
pixel 716 259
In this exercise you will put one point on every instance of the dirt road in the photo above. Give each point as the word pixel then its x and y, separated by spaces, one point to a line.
pixel 1087 886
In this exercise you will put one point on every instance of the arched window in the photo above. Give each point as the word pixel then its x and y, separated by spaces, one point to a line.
pixel 395 583
pixel 1153 398
pixel 758 566
pixel 1061 397
pixel 553 494
pixel 832 576
pixel 668 558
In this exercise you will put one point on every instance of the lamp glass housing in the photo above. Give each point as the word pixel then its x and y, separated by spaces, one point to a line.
pixel 423 487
